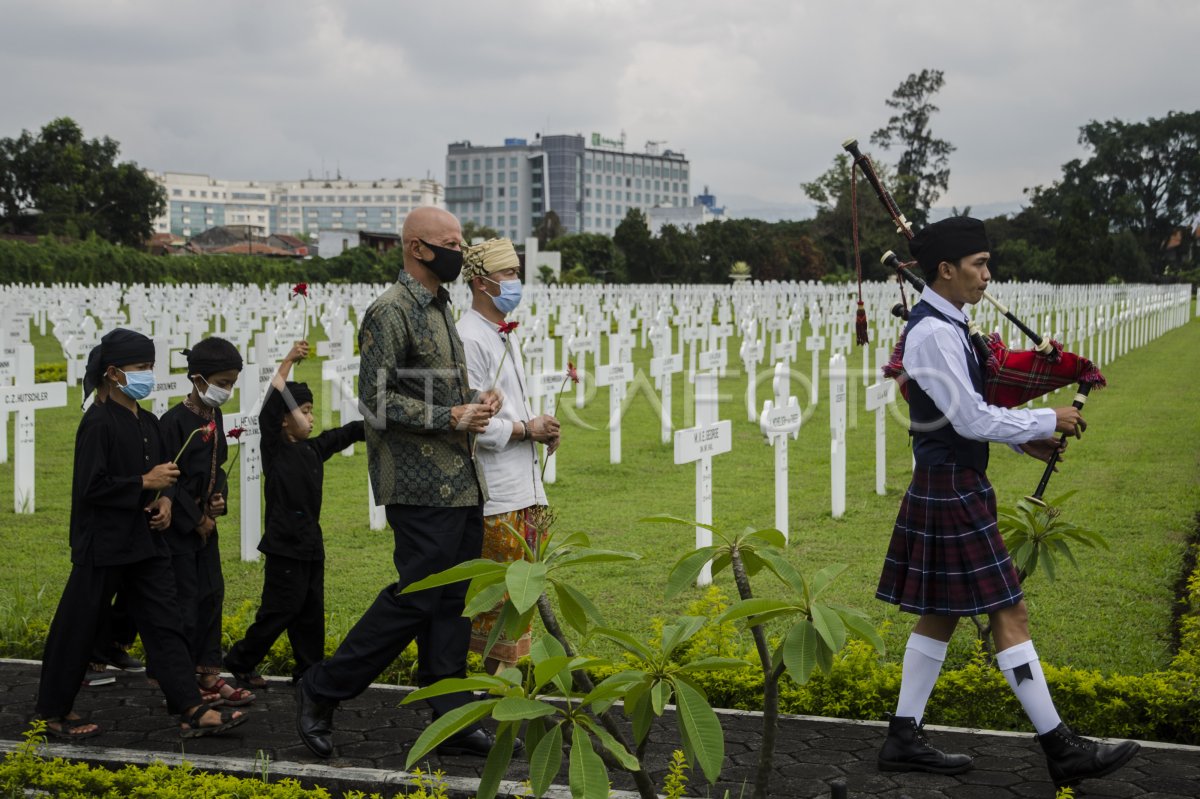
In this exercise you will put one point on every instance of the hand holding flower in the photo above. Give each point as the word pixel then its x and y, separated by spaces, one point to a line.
pixel 159 513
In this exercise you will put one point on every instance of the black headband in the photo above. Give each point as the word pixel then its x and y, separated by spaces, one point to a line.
pixel 119 347
pixel 213 355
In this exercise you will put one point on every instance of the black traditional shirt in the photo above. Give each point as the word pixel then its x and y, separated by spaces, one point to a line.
pixel 113 449
pixel 200 472
pixel 293 474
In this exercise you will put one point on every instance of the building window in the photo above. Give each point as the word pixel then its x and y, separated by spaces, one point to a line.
pixel 176 192
pixel 512 176
pixel 475 164
pixel 500 190
pixel 452 166
pixel 512 206
pixel 487 163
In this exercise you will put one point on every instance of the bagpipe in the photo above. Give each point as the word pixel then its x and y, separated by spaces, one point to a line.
pixel 1011 377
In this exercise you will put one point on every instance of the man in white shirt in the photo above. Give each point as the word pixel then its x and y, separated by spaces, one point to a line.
pixel 947 558
pixel 506 451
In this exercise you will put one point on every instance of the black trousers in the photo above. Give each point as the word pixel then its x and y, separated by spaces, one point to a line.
pixel 149 591
pixel 116 628
pixel 427 540
pixel 293 600
pixel 200 590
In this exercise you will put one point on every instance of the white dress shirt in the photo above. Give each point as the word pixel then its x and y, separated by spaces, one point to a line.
pixel 935 354
pixel 510 468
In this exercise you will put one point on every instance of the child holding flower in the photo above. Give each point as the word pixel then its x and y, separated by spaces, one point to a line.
pixel 195 429
pixel 121 492
pixel 293 596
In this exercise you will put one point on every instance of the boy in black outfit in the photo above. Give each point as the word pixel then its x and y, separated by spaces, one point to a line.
pixel 293 597
pixel 120 507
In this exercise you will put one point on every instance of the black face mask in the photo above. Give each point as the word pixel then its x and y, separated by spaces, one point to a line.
pixel 446 263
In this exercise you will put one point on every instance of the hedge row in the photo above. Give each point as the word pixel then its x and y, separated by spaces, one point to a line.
pixel 25 772
pixel 97 261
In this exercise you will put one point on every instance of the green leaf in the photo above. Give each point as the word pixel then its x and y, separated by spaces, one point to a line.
pixel 660 692
pixel 824 577
pixel 525 582
pixel 713 663
pixel 668 519
pixel 679 631
pixel 687 569
pixel 614 686
pixel 618 750
pixel 628 642
pixel 637 708
pixel 760 608
pixel 581 557
pixel 497 761
pixel 445 726
pixel 577 609
pixel 485 599
pixel 800 651
pixel 588 777
pixel 785 571
pixel 519 708
pixel 546 670
pixel 520 538
pixel 480 567
pixel 699 725
pixel 858 624
pixel 452 685
pixel 770 536
pixel 499 626
pixel 829 626
pixel 546 760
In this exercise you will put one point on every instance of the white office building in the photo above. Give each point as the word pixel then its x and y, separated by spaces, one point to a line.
pixel 196 203
pixel 589 184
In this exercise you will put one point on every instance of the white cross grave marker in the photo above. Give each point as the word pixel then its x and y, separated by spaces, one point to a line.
pixel 837 429
pixel 814 344
pixel 24 398
pixel 698 445
pixel 616 376
pixel 879 396
pixel 780 419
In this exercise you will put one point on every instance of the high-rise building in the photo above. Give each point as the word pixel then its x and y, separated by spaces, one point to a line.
pixel 589 184
pixel 196 203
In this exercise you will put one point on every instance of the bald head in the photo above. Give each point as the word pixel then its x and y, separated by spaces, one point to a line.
pixel 431 224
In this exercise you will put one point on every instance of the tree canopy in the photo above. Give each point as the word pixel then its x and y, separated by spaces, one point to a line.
pixel 59 183
pixel 922 170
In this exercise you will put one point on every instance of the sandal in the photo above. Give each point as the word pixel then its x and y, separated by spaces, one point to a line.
pixel 194 729
pixel 226 693
pixel 250 679
pixel 71 728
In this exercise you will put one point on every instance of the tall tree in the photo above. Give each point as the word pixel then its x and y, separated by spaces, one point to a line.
pixel 59 183
pixel 921 171
pixel 1141 178
pixel 632 237
pixel 472 230
pixel 832 228
pixel 548 228
pixel 595 252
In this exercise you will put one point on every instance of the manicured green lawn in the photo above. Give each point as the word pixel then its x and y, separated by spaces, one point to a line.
pixel 1137 473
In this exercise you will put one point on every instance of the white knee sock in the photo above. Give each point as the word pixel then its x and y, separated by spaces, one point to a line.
pixel 923 658
pixel 1023 671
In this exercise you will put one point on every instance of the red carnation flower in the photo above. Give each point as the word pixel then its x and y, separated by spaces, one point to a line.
pixel 572 375
pixel 508 327
pixel 235 433
pixel 301 289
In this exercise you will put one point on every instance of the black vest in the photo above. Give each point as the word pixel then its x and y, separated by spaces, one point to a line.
pixel 935 441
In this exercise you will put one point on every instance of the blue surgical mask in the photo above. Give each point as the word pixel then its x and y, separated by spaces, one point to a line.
pixel 510 295
pixel 138 385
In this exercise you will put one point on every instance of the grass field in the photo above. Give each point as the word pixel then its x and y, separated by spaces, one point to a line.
pixel 1137 472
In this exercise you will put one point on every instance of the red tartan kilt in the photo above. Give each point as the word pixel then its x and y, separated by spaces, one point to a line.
pixel 947 556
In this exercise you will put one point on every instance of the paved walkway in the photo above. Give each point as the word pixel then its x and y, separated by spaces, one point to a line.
pixel 373 736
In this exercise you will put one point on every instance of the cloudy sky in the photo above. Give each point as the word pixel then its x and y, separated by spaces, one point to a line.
pixel 759 94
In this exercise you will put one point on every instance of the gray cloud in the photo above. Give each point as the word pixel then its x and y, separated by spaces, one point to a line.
pixel 758 94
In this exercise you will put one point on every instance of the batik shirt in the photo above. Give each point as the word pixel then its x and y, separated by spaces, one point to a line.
pixel 412 371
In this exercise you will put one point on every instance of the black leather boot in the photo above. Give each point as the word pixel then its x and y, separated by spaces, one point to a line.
pixel 314 722
pixel 1072 757
pixel 907 749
